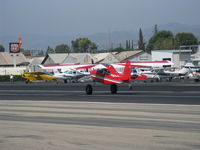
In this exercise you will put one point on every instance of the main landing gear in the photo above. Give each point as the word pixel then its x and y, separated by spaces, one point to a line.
pixel 113 88
pixel 89 89
pixel 130 86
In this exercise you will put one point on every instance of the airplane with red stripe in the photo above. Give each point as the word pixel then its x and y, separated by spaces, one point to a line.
pixel 65 67
pixel 107 74
pixel 110 76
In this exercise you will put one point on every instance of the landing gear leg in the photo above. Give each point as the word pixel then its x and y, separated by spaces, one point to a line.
pixel 27 81
pixel 130 86
pixel 65 81
pixel 113 88
pixel 88 89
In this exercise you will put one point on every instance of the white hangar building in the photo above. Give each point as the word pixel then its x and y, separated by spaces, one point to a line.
pixel 178 57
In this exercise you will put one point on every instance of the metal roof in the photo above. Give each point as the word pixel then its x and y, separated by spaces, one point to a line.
pixel 174 50
pixel 7 59
pixel 82 58
pixel 126 54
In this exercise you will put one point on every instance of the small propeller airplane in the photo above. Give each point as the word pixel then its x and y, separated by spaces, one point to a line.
pixel 33 76
pixel 64 67
pixel 110 76
pixel 107 74
pixel 72 75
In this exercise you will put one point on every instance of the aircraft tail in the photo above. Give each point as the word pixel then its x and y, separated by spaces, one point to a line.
pixel 127 70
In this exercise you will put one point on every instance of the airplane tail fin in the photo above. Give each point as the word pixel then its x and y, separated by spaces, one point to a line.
pixel 112 69
pixel 127 70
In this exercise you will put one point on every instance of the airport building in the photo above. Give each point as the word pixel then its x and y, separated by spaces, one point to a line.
pixel 178 57
pixel 6 63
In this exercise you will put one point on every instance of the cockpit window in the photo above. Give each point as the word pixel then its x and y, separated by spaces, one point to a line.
pixel 103 71
pixel 134 71
pixel 68 72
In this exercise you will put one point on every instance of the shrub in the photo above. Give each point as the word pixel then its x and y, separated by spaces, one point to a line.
pixel 6 78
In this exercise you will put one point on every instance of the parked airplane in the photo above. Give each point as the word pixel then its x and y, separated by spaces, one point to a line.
pixel 196 75
pixel 72 75
pixel 161 73
pixel 34 76
pixel 178 73
pixel 147 72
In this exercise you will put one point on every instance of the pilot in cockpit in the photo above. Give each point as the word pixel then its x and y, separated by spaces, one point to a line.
pixel 103 71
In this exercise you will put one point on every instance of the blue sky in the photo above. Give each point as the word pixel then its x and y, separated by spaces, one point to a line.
pixel 68 17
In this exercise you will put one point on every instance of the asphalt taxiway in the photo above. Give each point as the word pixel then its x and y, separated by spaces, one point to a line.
pixel 161 93
pixel 50 125
pixel 152 116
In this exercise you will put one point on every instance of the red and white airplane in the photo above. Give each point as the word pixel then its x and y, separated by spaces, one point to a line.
pixel 110 76
pixel 64 67
pixel 107 74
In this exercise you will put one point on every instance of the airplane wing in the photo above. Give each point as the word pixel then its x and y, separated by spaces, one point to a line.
pixel 150 64
pixel 35 73
pixel 100 66
pixel 72 66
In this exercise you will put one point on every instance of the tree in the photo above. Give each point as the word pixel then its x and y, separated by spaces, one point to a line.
pixel 50 50
pixel 127 46
pixel 185 39
pixel 141 44
pixel 25 52
pixel 155 29
pixel 93 47
pixel 161 40
pixel 63 48
pixel 2 49
pixel 117 49
pixel 41 53
pixel 83 45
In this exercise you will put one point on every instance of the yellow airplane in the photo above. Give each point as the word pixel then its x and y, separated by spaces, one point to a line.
pixel 33 76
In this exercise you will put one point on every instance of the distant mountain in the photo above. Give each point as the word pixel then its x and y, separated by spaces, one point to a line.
pixel 106 39
pixel 103 40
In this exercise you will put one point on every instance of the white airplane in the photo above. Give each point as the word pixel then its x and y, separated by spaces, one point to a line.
pixel 168 75
pixel 68 75
pixel 178 73
pixel 147 72
pixel 196 75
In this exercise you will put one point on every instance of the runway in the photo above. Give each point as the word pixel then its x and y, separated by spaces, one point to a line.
pixel 158 93
pixel 87 126
pixel 152 116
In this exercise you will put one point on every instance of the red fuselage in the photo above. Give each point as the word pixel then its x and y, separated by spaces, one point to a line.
pixel 109 77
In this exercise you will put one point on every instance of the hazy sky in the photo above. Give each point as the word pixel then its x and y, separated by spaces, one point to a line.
pixel 67 17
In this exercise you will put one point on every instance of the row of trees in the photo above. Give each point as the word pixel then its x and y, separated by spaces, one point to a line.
pixel 159 40
pixel 166 40
pixel 2 49
pixel 80 45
